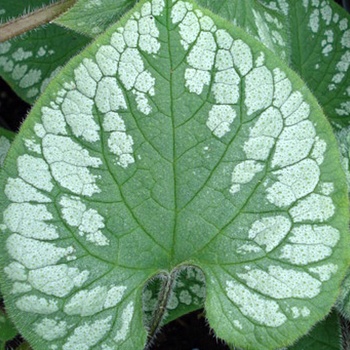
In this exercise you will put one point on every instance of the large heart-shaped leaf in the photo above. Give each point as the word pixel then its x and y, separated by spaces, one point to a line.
pixel 175 140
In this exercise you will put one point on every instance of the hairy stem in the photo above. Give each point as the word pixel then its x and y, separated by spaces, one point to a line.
pixel 168 284
pixel 33 19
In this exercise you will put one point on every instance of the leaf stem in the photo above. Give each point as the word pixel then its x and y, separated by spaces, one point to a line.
pixel 165 293
pixel 33 19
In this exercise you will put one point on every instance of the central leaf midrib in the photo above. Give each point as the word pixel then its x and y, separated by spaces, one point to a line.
pixel 109 167
pixel 172 114
pixel 179 210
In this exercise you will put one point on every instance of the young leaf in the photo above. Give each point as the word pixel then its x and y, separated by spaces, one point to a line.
pixel 94 16
pixel 174 140
pixel 312 36
pixel 30 63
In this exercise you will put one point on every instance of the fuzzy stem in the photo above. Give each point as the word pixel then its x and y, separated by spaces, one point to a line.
pixel 164 296
pixel 33 19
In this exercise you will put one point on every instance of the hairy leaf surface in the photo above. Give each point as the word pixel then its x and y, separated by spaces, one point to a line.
pixel 92 17
pixel 174 140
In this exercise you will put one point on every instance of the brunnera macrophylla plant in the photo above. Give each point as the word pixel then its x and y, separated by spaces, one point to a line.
pixel 175 147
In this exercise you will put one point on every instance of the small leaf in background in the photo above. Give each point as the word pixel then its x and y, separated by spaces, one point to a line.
pixel 7 329
pixel 268 25
pixel 312 36
pixel 343 138
pixel 188 295
pixel 321 54
pixel 24 346
pixel 343 303
pixel 28 63
pixel 326 335
pixel 174 140
pixel 91 17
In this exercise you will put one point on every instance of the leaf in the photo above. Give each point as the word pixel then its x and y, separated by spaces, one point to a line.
pixel 101 13
pixel 343 303
pixel 24 346
pixel 29 64
pixel 6 138
pixel 174 141
pixel 264 23
pixel 312 36
pixel 328 29
pixel 343 138
pixel 7 330
pixel 326 335
pixel 188 295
